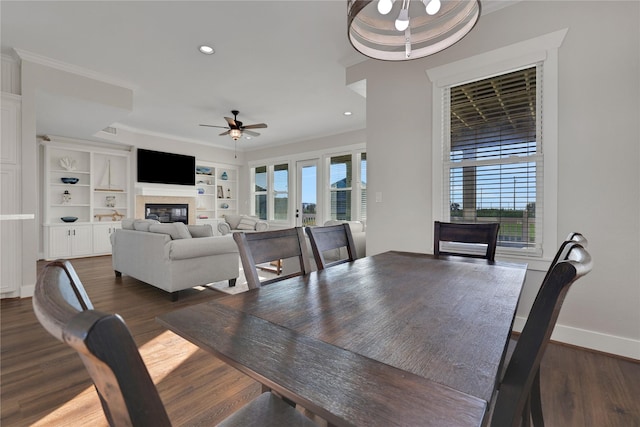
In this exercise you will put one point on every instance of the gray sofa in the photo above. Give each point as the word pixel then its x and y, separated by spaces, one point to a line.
pixel 246 223
pixel 173 256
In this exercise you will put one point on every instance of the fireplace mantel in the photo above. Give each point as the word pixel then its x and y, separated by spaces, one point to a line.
pixel 147 189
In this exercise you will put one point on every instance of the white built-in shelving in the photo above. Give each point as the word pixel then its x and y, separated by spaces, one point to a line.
pixel 100 196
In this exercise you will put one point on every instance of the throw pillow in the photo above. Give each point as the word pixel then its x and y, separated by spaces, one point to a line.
pixel 177 230
pixel 143 224
pixel 203 230
pixel 247 223
pixel 233 221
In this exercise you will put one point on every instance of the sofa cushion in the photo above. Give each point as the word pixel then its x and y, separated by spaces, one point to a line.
pixel 247 223
pixel 233 220
pixel 127 223
pixel 201 230
pixel 177 230
pixel 206 246
pixel 143 224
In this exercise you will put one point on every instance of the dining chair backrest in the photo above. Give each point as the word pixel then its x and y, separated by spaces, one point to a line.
pixel 268 246
pixel 111 357
pixel 331 238
pixel 512 403
pixel 562 253
pixel 58 296
pixel 109 353
pixel 62 306
pixel 456 233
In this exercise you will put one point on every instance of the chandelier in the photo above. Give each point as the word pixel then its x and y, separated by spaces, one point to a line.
pixel 399 30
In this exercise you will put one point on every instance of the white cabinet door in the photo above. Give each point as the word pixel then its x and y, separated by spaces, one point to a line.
pixel 70 241
pixel 102 237
pixel 59 242
pixel 81 240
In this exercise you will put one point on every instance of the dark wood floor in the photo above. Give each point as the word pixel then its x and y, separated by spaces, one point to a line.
pixel 43 383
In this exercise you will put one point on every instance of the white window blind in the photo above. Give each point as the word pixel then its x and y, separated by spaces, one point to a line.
pixel 493 156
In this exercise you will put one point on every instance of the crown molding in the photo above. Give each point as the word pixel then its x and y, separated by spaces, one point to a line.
pixel 73 69
pixel 10 58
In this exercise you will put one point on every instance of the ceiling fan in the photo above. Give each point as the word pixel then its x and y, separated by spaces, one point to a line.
pixel 236 128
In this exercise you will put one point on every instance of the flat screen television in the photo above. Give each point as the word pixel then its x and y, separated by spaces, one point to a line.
pixel 166 168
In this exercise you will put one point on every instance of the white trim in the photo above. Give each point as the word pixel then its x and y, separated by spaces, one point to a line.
pixel 606 343
pixel 26 291
pixel 148 189
pixel 496 61
pixel 508 58
pixel 73 69
pixel 346 149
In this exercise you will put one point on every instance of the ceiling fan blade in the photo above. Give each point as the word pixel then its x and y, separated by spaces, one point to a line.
pixel 214 126
pixel 256 126
pixel 225 133
pixel 249 132
pixel 232 123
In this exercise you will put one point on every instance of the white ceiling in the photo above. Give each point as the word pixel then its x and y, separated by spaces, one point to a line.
pixel 278 62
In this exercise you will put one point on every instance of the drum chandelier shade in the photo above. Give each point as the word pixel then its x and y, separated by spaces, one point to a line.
pixel 400 30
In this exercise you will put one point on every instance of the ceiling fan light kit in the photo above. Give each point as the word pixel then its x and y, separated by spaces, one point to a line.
pixel 400 30
pixel 236 128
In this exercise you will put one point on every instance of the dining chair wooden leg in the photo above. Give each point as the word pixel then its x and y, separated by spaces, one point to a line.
pixel 536 402
pixel 526 413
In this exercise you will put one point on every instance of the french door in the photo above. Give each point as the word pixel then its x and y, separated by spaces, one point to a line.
pixel 308 203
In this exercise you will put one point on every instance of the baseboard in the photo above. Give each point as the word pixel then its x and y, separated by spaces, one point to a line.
pixel 605 343
pixel 27 291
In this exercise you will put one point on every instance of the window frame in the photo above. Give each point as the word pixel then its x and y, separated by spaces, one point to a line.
pixel 542 49
pixel 507 161
pixel 356 187
pixel 271 192
pixel 323 157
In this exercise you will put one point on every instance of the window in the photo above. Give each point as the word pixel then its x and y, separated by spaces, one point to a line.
pixel 280 192
pixel 340 175
pixel 271 192
pixel 493 165
pixel 363 186
pixel 474 166
pixel 348 186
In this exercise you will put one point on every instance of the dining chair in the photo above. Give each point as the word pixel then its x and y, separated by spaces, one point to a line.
pixel 513 404
pixel 268 246
pixel 331 238
pixel 574 238
pixel 464 235
pixel 60 289
pixel 105 345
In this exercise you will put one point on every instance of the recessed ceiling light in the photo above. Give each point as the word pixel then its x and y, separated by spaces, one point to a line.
pixel 247 137
pixel 347 113
pixel 207 50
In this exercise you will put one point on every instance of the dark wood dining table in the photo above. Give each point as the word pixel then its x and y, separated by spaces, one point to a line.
pixel 392 339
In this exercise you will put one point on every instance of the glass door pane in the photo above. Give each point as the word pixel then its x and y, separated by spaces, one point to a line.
pixel 307 205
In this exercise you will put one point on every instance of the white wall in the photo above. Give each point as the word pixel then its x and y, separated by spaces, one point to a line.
pixel 599 157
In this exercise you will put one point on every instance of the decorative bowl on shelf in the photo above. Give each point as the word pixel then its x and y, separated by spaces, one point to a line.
pixel 69 180
pixel 203 170
pixel 69 218
pixel 225 206
pixel 200 190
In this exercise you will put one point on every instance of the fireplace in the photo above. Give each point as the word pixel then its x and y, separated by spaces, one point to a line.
pixel 167 212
